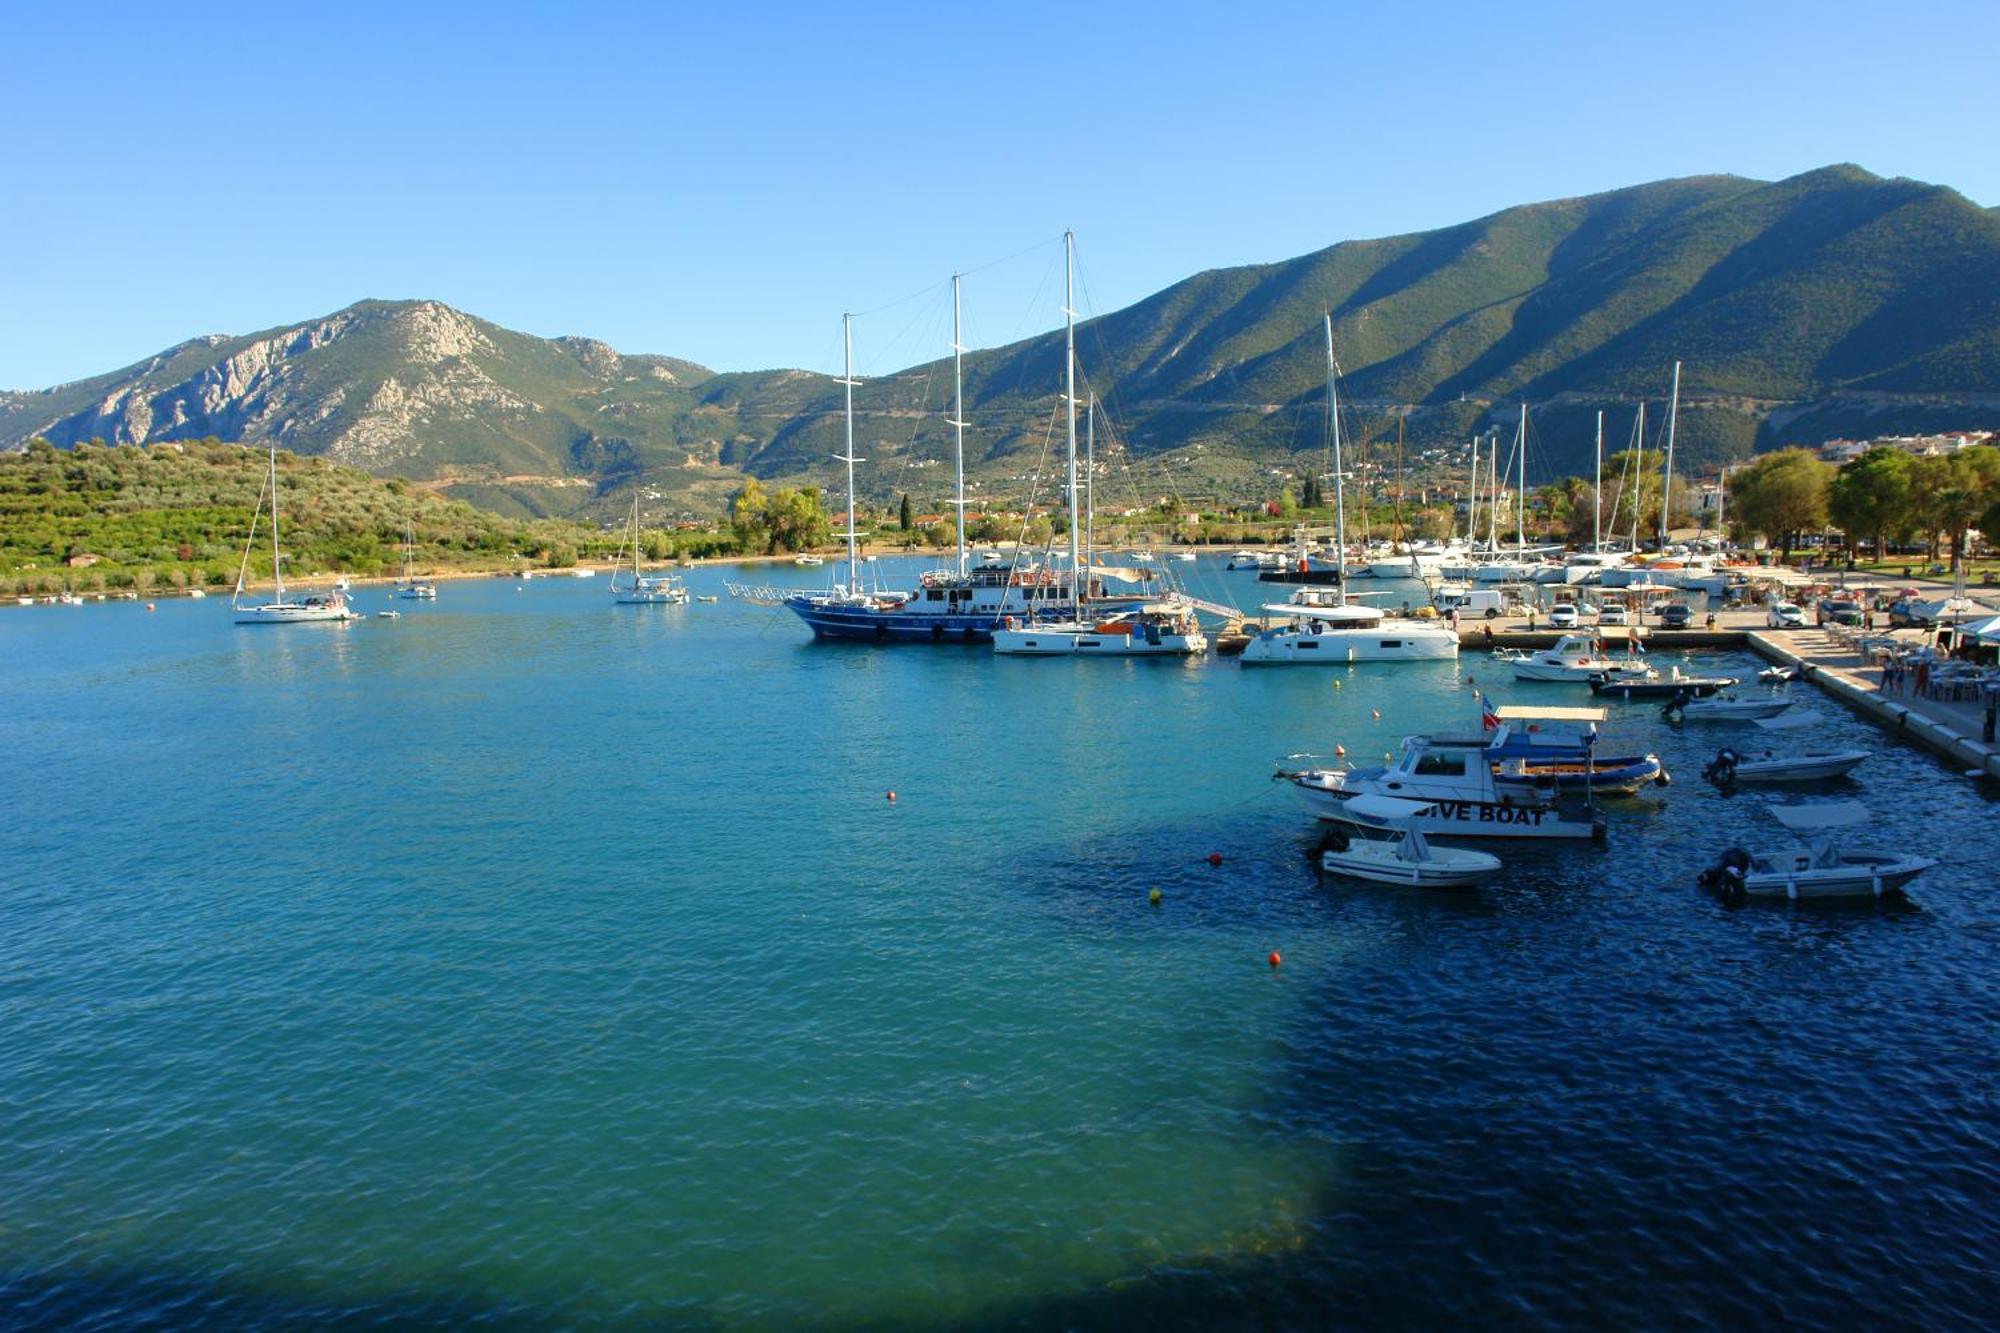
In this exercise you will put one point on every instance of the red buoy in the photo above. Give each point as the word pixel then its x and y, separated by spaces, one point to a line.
pixel 1215 858
pixel 892 798
pixel 1340 751
pixel 1275 960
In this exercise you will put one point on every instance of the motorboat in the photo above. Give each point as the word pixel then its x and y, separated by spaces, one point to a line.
pixel 1577 659
pixel 808 560
pixel 1778 675
pixel 705 598
pixel 1160 630
pixel 1462 793
pixel 1669 686
pixel 1561 744
pixel 1723 708
pixel 1732 766
pixel 1185 557
pixel 388 615
pixel 1403 857
pixel 1819 869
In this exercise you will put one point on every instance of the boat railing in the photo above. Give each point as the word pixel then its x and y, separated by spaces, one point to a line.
pixel 760 594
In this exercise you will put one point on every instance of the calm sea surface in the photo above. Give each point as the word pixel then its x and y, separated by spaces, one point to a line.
pixel 532 960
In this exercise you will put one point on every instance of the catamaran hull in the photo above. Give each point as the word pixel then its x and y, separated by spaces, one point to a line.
pixel 1340 648
pixel 1068 643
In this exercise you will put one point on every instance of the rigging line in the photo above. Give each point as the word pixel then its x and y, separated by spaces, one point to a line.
pixel 1008 259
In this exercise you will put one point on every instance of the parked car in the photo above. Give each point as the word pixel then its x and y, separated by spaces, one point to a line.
pixel 1563 616
pixel 1785 615
pixel 1905 611
pixel 1613 615
pixel 1840 611
pixel 1675 615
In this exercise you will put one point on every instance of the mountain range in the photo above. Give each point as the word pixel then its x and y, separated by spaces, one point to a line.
pixel 1830 303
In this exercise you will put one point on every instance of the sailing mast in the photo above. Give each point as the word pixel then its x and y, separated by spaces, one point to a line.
pixel 1472 501
pixel 1069 405
pixel 958 422
pixel 1493 509
pixel 1090 485
pixel 847 457
pixel 1521 488
pixel 1638 474
pixel 1339 487
pixel 1597 492
pixel 277 561
pixel 1667 483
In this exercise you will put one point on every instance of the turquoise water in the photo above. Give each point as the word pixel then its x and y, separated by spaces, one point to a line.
pixel 536 960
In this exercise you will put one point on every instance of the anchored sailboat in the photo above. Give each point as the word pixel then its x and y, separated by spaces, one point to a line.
pixel 305 610
pixel 409 585
pixel 1165 628
pixel 644 589
pixel 1330 629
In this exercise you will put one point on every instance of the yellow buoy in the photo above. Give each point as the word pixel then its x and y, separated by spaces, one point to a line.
pixel 1154 897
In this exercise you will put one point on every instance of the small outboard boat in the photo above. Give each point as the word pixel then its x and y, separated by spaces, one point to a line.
pixel 1778 675
pixel 1661 687
pixel 1820 870
pixel 1730 767
pixel 1403 857
pixel 1724 708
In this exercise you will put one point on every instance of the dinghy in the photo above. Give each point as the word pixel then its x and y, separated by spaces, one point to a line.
pixel 1403 857
pixel 1730 767
pixel 1818 870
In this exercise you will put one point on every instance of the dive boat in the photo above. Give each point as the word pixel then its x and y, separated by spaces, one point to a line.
pixel 644 589
pixel 1577 659
pixel 1461 793
pixel 1318 630
pixel 1821 869
pixel 1731 766
pixel 1669 686
pixel 1403 858
pixel 308 610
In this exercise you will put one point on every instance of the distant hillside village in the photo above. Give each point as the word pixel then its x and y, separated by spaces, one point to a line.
pixel 1923 446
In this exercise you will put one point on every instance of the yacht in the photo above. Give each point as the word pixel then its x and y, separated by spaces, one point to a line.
pixel 644 589
pixel 1576 659
pixel 309 609
pixel 409 586
pixel 1319 628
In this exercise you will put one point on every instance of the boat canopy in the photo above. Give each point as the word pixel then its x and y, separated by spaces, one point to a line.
pixel 1353 615
pixel 1986 631
pixel 1528 713
pixel 1826 815
pixel 1386 811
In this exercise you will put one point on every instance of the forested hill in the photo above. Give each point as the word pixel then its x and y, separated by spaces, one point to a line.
pixel 1831 303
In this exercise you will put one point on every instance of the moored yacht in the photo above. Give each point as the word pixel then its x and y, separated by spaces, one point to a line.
pixel 1462 793
pixel 310 609
pixel 1577 659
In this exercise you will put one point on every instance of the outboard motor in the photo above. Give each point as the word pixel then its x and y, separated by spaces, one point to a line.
pixel 1727 874
pixel 1676 707
pixel 1721 770
pixel 1333 840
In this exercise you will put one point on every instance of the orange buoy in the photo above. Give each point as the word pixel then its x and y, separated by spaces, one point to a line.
pixel 1340 752
pixel 1215 858
pixel 892 798
pixel 1275 960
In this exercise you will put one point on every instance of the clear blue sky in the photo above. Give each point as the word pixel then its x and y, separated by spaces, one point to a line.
pixel 720 181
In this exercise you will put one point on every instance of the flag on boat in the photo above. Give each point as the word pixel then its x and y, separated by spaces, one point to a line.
pixel 1488 719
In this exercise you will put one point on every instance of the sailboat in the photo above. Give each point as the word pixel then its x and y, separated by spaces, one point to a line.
pixel 644 589
pixel 1329 629
pixel 408 585
pixel 963 604
pixel 305 610
pixel 1158 629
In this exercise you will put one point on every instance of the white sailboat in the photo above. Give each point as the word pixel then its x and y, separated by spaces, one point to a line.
pixel 1156 629
pixel 644 589
pixel 1314 632
pixel 410 586
pixel 309 609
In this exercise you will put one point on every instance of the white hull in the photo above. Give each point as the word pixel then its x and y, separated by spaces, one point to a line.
pixel 291 613
pixel 1732 710
pixel 1073 641
pixel 1799 768
pixel 1564 673
pixel 1387 642
pixel 1458 818
pixel 1442 868
pixel 649 598
pixel 1785 875
pixel 423 593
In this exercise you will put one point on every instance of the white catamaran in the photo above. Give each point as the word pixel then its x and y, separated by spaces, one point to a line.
pixel 310 609
pixel 1315 631
pixel 643 589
